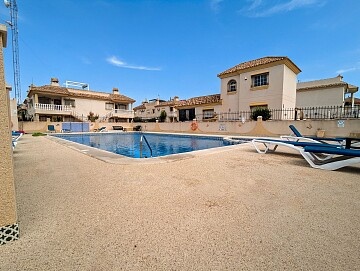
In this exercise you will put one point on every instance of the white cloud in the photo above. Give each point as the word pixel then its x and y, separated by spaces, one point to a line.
pixel 215 5
pixel 255 4
pixel 113 60
pixel 258 8
pixel 342 71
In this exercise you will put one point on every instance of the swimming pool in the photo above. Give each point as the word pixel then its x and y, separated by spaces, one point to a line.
pixel 128 144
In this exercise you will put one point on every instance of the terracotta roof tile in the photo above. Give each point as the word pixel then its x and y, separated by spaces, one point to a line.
pixel 169 103
pixel 62 91
pixel 209 99
pixel 255 63
pixel 139 107
pixel 323 83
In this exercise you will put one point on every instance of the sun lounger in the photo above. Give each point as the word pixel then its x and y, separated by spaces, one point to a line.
pixel 271 144
pixel 15 137
pixel 340 157
pixel 347 142
pixel 101 129
pixel 117 127
pixel 318 155
pixel 299 137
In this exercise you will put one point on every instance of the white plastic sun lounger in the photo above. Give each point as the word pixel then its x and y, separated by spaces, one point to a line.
pixel 270 145
pixel 318 155
pixel 341 157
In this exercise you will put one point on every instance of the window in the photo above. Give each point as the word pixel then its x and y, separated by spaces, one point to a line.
pixel 231 86
pixel 208 113
pixel 109 106
pixel 186 114
pixel 260 80
pixel 120 106
pixel 69 102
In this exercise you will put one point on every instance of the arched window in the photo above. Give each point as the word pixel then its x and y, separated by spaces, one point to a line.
pixel 231 86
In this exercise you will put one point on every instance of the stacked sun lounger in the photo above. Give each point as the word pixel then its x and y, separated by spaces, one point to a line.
pixel 318 153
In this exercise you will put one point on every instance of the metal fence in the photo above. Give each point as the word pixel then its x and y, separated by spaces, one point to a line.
pixel 318 113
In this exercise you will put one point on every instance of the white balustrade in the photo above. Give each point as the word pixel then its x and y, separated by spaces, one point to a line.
pixel 53 107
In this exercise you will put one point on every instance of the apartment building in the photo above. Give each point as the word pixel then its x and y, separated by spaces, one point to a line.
pixel 59 103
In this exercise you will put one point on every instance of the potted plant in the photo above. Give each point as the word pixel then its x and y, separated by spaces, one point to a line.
pixel 320 132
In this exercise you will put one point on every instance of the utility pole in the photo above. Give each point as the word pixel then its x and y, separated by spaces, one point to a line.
pixel 11 4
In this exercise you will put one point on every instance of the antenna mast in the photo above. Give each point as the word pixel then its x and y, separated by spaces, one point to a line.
pixel 15 46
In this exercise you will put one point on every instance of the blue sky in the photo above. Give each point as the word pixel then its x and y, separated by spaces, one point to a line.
pixel 160 48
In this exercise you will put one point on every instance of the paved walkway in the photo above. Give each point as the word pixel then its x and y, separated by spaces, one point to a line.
pixel 230 210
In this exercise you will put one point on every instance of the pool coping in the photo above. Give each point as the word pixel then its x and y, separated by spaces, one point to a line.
pixel 113 158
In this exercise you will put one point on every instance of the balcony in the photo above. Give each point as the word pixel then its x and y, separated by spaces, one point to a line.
pixel 52 109
pixel 172 114
pixel 121 113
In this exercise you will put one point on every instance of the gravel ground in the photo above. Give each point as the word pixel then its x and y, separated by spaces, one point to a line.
pixel 232 209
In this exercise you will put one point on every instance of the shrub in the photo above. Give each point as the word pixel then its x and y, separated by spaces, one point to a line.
pixel 152 120
pixel 260 111
pixel 38 134
pixel 92 117
pixel 137 119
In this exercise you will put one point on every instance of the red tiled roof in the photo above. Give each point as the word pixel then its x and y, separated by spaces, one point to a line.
pixel 325 83
pixel 139 107
pixel 65 92
pixel 258 62
pixel 339 84
pixel 169 103
pixel 208 99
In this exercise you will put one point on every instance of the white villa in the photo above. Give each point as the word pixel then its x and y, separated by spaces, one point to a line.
pixel 268 82
pixel 152 109
pixel 265 82
pixel 325 92
pixel 59 104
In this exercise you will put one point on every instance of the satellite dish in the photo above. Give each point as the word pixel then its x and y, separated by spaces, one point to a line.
pixel 7 3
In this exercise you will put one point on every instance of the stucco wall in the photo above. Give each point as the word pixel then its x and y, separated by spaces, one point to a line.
pixel 13 115
pixel 8 215
pixel 272 95
pixel 289 88
pixel 271 128
pixel 320 97
pixel 281 91
pixel 230 100
pixel 84 106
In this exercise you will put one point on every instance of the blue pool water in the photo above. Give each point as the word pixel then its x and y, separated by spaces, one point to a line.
pixel 128 144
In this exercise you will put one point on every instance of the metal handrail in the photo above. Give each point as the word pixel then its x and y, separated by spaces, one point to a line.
pixel 147 143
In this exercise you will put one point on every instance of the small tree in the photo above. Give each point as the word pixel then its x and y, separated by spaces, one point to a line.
pixel 163 116
pixel 261 111
pixel 92 117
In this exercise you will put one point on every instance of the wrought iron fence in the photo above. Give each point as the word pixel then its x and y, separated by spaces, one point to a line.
pixel 318 113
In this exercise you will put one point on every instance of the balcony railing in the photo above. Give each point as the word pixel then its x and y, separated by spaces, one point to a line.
pixel 314 113
pixel 118 113
pixel 122 113
pixel 53 107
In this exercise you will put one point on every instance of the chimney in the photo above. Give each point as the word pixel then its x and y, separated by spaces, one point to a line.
pixel 176 98
pixel 54 82
pixel 115 91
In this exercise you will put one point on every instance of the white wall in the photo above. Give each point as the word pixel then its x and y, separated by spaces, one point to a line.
pixel 320 97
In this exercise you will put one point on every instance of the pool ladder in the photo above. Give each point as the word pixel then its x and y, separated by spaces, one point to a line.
pixel 147 143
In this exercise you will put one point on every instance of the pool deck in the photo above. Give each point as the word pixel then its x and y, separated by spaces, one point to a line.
pixel 225 209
